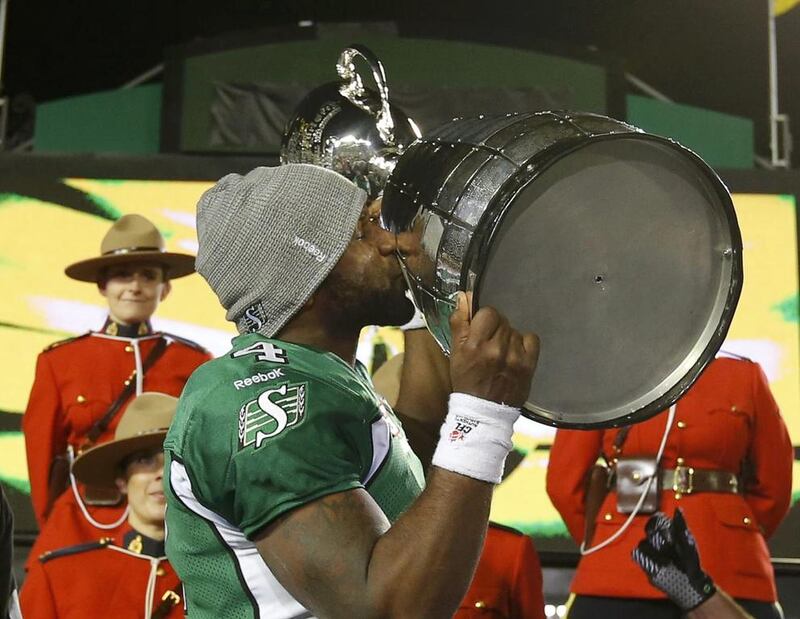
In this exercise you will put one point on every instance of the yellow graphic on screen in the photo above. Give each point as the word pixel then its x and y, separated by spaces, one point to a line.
pixel 42 305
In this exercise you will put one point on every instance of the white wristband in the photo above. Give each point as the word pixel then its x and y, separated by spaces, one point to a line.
pixel 476 437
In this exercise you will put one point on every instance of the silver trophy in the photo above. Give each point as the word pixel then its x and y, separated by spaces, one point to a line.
pixel 347 128
pixel 620 249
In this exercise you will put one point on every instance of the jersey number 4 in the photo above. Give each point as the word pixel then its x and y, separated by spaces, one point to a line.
pixel 264 351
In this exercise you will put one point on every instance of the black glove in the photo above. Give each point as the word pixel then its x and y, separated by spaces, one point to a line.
pixel 668 555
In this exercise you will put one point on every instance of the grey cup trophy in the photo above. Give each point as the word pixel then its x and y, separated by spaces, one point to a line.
pixel 620 249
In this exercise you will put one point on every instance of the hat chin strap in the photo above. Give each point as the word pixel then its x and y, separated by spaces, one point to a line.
pixel 74 484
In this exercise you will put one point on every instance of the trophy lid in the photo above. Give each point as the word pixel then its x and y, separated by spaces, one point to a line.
pixel 348 128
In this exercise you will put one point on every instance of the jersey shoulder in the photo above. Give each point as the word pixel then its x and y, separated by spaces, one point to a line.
pixel 254 354
pixel 262 388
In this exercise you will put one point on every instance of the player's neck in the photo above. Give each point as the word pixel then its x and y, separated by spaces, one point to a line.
pixel 316 334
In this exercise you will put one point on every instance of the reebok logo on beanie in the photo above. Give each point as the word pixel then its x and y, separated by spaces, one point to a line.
pixel 310 248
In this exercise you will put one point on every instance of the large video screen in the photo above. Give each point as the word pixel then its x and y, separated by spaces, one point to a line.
pixel 48 222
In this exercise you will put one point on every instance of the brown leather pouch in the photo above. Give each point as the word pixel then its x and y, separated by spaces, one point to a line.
pixel 632 473
pixel 597 483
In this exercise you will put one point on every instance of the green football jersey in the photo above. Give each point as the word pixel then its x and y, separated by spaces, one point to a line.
pixel 264 429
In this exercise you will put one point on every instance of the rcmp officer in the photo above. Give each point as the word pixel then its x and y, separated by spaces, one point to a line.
pixel 727 464
pixel 84 384
pixel 127 575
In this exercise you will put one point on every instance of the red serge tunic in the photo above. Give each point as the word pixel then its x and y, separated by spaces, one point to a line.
pixel 728 417
pixel 76 383
pixel 102 579
pixel 508 580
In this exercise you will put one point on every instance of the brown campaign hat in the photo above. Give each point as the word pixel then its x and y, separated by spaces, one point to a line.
pixel 132 239
pixel 143 427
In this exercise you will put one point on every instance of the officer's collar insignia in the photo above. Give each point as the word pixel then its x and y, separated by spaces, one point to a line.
pixel 142 545
pixel 132 331
pixel 135 545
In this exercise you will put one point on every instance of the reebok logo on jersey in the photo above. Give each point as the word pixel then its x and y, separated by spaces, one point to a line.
pixel 310 248
pixel 261 377
pixel 271 413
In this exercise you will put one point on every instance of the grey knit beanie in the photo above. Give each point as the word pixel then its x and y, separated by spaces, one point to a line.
pixel 268 240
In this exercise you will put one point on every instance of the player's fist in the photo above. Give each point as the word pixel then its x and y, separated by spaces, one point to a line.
pixel 488 358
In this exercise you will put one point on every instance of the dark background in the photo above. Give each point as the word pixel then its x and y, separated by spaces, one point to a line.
pixel 709 53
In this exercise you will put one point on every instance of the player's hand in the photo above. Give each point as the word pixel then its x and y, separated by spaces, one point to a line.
pixel 668 555
pixel 489 359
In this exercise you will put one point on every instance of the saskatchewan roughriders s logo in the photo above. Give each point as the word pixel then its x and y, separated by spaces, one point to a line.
pixel 271 413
